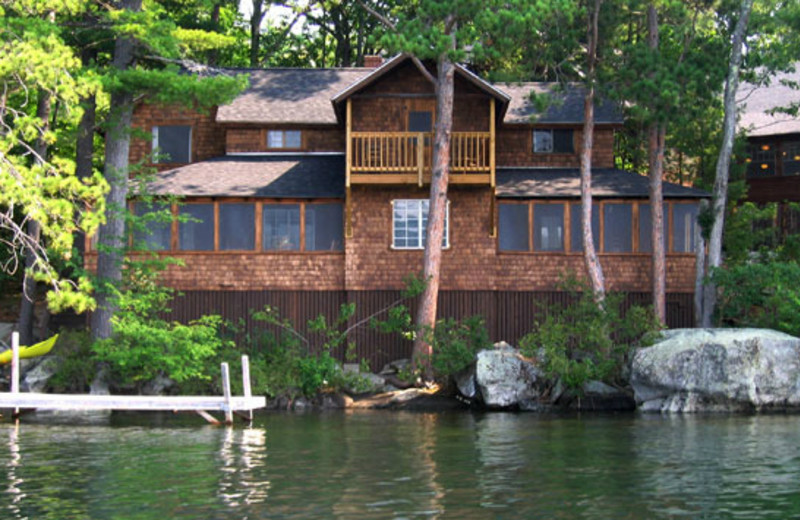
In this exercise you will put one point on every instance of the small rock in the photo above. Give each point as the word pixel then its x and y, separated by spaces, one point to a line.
pixel 35 379
pixel 159 385
pixel 465 382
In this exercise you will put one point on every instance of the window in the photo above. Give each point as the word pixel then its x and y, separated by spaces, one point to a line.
pixel 420 121
pixel 410 222
pixel 172 144
pixel 284 139
pixel 576 231
pixel 553 141
pixel 618 228
pixel 281 227
pixel 791 158
pixel 512 229
pixel 645 227
pixel 684 218
pixel 548 225
pixel 324 227
pixel 198 233
pixel 154 230
pixel 237 227
pixel 761 160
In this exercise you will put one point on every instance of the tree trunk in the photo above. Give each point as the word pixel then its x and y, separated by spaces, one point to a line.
pixel 255 31
pixel 426 316
pixel 84 142
pixel 111 238
pixel 700 268
pixel 720 193
pixel 593 268
pixel 28 300
pixel 656 142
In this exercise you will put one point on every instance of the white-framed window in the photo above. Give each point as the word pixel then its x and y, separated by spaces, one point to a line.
pixel 172 144
pixel 549 140
pixel 284 139
pixel 410 224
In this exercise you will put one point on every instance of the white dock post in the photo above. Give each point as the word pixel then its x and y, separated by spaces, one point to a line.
pixel 15 367
pixel 226 393
pixel 246 383
pixel 15 362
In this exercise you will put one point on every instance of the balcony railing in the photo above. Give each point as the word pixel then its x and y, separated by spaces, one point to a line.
pixel 411 153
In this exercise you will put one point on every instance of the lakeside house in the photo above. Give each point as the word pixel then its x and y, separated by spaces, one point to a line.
pixel 773 145
pixel 310 190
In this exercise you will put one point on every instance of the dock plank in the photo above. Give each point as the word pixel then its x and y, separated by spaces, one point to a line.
pixel 128 402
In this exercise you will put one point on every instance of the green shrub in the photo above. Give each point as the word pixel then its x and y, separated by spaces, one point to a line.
pixel 455 344
pixel 585 341
pixel 762 294
pixel 78 363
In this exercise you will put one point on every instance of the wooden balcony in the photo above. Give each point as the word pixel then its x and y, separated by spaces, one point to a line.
pixel 407 157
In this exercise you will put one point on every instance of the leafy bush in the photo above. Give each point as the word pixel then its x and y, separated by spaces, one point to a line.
pixel 585 341
pixel 144 345
pixel 78 364
pixel 455 344
pixel 760 294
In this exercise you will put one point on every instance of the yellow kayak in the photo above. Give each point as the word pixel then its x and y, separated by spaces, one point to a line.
pixel 39 349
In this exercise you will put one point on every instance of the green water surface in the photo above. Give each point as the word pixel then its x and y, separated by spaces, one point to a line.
pixel 404 465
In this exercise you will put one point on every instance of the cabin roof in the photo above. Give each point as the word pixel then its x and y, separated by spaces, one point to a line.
pixel 279 175
pixel 756 101
pixel 565 104
pixel 289 96
pixel 295 96
pixel 565 183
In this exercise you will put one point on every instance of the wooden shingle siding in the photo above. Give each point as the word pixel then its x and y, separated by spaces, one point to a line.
pixel 208 138
pixel 508 315
pixel 515 148
pixel 316 139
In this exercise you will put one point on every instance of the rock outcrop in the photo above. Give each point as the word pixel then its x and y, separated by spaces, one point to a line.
pixel 718 370
pixel 501 378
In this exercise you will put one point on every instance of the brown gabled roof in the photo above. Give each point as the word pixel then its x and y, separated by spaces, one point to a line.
pixel 549 183
pixel 755 103
pixel 289 96
pixel 289 176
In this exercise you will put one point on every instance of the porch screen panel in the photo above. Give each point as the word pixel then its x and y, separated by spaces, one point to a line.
pixel 645 225
pixel 324 227
pixel 548 224
pixel 618 230
pixel 281 227
pixel 198 234
pixel 791 158
pixel 684 217
pixel 153 231
pixel 237 227
pixel 512 230
pixel 576 233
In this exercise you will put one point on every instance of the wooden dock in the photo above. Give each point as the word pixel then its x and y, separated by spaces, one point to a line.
pixel 229 405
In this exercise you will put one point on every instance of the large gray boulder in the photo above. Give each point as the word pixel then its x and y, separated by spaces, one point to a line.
pixel 720 370
pixel 503 378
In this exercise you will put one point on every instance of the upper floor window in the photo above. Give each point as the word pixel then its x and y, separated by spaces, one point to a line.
pixel 553 141
pixel 277 139
pixel 172 143
pixel 760 160
pixel 410 224
pixel 791 158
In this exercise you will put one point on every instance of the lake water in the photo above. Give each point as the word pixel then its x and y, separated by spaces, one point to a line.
pixel 404 465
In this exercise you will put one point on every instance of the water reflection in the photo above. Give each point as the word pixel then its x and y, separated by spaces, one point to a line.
pixel 402 465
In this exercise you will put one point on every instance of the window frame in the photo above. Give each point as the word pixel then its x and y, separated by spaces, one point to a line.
pixel 447 238
pixel 154 134
pixel 552 150
pixel 283 133
pixel 571 211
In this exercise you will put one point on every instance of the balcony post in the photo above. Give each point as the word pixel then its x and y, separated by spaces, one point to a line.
pixel 420 157
pixel 349 145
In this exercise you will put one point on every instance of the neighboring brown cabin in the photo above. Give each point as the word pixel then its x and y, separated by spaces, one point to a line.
pixel 773 142
pixel 312 190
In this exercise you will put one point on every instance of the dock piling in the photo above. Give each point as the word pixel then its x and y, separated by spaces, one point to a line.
pixel 226 393
pixel 246 384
